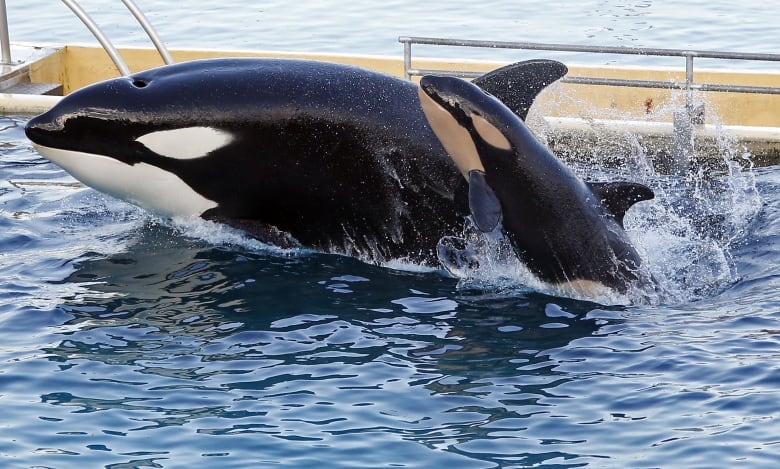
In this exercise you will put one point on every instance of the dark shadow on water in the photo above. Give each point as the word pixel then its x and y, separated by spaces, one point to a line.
pixel 171 281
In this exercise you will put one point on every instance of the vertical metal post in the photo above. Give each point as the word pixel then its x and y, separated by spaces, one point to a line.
pixel 407 59
pixel 5 41
pixel 688 81
pixel 688 70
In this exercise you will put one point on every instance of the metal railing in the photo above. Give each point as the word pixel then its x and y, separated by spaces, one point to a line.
pixel 5 41
pixel 689 56
pixel 106 43
pixel 113 53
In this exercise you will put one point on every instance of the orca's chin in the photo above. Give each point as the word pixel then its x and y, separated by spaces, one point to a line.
pixel 142 184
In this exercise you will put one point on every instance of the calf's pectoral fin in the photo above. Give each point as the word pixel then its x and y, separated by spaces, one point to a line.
pixel 483 203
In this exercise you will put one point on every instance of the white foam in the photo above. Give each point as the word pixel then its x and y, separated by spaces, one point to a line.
pixel 406 265
pixel 221 234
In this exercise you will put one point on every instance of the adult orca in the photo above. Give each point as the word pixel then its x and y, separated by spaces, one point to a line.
pixel 296 152
pixel 563 229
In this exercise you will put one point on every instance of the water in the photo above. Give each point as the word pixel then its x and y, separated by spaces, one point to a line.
pixel 128 341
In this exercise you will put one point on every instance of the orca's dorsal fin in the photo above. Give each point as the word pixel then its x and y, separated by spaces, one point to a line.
pixel 484 205
pixel 518 84
pixel 618 197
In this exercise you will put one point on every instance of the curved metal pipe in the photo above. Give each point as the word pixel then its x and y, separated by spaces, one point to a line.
pixel 96 31
pixel 139 15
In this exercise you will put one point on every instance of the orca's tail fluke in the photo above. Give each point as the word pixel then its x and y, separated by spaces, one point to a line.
pixel 518 84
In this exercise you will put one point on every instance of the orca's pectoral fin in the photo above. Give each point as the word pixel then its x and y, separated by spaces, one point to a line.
pixel 618 197
pixel 518 84
pixel 483 203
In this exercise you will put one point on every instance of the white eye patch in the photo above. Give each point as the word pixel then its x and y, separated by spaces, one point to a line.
pixel 490 133
pixel 187 143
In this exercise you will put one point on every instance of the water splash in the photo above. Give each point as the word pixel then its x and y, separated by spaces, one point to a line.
pixel 687 234
pixel 487 262
pixel 220 234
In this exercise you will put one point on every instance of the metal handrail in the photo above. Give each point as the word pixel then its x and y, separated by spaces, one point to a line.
pixel 5 42
pixel 98 33
pixel 113 53
pixel 150 31
pixel 689 55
